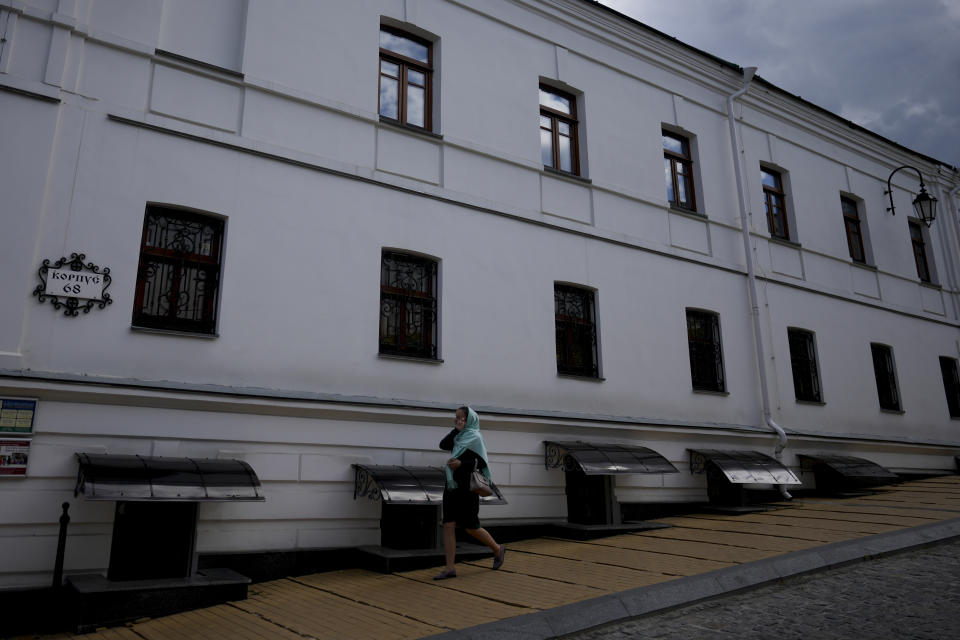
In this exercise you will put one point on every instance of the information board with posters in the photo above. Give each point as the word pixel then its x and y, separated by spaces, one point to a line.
pixel 13 457
pixel 17 416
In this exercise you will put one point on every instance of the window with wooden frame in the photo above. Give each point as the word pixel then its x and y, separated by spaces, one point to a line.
pixel 406 70
pixel 706 351
pixel 179 274
pixel 408 305
pixel 951 384
pixel 576 328
pixel 886 375
pixel 678 170
pixel 851 223
pixel 558 131
pixel 919 251
pixel 803 363
pixel 775 202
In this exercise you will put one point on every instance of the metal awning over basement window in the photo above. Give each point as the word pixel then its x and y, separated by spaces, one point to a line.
pixel 849 467
pixel 604 459
pixel 131 477
pixel 743 467
pixel 406 485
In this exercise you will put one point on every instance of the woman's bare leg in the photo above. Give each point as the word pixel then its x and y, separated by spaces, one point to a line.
pixel 484 536
pixel 450 543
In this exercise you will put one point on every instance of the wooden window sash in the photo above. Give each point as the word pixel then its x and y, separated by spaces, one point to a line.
pixel 405 63
pixel 854 231
pixel 570 119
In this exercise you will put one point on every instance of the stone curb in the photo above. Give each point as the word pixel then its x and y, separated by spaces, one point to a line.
pixel 580 616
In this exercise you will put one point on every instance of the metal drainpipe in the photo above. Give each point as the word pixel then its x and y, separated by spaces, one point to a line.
pixel 748 73
pixel 946 241
pixel 954 214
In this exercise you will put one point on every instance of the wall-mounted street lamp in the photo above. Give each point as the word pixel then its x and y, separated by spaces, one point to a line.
pixel 924 204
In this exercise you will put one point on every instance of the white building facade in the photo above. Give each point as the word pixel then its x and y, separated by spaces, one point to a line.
pixel 313 262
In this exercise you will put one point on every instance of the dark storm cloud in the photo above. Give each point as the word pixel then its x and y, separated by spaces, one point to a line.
pixel 891 66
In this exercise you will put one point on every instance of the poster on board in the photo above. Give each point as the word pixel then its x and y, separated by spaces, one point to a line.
pixel 17 416
pixel 13 457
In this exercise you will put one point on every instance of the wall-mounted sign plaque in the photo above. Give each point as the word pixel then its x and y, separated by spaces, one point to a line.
pixel 13 457
pixel 17 415
pixel 68 281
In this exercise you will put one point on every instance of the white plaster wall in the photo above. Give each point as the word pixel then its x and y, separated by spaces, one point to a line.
pixel 299 298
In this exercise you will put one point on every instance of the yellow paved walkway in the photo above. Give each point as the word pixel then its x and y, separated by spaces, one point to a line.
pixel 544 573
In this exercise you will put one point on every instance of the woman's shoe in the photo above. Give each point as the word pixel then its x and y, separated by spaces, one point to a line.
pixel 498 559
pixel 446 575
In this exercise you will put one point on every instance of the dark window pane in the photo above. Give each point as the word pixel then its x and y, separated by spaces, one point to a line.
pixel 886 377
pixel 951 384
pixel 803 362
pixel 576 331
pixel 919 251
pixel 706 354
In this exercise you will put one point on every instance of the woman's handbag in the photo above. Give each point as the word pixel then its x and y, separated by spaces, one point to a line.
pixel 479 484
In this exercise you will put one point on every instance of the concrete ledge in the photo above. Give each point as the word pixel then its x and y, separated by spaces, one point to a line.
pixel 691 589
pixel 95 601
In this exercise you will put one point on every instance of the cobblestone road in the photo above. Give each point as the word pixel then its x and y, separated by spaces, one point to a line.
pixel 908 596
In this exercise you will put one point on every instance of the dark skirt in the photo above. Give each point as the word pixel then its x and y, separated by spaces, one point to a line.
pixel 461 506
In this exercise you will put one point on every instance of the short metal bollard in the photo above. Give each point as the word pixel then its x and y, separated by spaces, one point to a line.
pixel 61 546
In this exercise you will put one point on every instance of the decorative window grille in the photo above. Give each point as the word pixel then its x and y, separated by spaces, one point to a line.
pixel 179 274
pixel 706 352
pixel 576 328
pixel 886 376
pixel 408 305
pixel 803 362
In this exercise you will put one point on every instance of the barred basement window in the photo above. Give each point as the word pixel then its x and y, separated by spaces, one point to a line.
pixel 951 384
pixel 706 351
pixel 408 305
pixel 576 327
pixel 886 375
pixel 179 274
pixel 803 362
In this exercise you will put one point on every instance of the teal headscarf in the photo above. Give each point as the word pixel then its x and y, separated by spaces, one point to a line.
pixel 468 438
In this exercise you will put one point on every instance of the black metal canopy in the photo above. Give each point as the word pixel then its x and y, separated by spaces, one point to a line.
pixel 743 467
pixel 406 485
pixel 132 477
pixel 848 466
pixel 604 459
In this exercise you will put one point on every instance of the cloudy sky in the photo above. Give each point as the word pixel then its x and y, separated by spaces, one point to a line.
pixel 892 66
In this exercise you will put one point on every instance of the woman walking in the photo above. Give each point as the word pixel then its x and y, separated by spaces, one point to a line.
pixel 460 505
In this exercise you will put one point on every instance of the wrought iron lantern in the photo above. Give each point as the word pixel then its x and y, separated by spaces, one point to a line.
pixel 924 204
